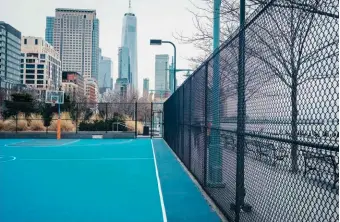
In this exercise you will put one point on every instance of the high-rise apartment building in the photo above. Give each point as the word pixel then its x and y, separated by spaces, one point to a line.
pixel 161 75
pixel 10 49
pixel 146 88
pixel 105 72
pixel 129 40
pixel 40 64
pixel 76 38
pixel 95 50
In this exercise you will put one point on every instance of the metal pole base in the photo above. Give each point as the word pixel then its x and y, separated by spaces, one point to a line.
pixel 247 208
pixel 215 174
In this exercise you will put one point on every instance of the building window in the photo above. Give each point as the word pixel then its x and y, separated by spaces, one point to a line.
pixel 29 76
pixel 40 77
pixel 40 71
pixel 25 41
pixel 36 41
pixel 41 66
pixel 30 71
pixel 30 66
pixel 29 81
pixel 40 81
pixel 22 60
pixel 30 60
pixel 42 56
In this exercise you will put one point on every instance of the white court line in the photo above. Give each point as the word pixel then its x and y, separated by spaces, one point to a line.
pixel 205 195
pixel 85 159
pixel 17 142
pixel 3 161
pixel 159 185
pixel 70 142
pixel 100 144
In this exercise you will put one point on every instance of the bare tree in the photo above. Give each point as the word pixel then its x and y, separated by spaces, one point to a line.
pixel 202 16
pixel 293 40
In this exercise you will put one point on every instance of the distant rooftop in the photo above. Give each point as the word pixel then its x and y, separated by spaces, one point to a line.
pixel 129 13
pixel 75 10
pixel 11 29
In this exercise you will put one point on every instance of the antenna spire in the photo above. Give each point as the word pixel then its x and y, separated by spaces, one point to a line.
pixel 129 5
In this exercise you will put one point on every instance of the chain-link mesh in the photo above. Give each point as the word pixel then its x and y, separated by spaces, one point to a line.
pixel 290 151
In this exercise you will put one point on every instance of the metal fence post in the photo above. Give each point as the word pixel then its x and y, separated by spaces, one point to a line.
pixel 151 120
pixel 16 123
pixel 182 134
pixel 106 118
pixel 136 130
pixel 77 113
pixel 206 144
pixel 241 114
pixel 189 154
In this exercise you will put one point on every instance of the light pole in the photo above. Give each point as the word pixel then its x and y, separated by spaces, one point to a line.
pixel 160 42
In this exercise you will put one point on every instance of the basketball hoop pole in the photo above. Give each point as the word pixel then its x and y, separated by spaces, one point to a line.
pixel 58 123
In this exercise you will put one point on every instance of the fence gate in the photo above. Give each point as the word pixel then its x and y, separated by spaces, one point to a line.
pixel 157 124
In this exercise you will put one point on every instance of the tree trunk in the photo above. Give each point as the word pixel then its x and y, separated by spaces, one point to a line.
pixel 294 146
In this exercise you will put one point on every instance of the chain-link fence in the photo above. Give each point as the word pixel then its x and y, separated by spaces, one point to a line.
pixel 283 164
pixel 34 116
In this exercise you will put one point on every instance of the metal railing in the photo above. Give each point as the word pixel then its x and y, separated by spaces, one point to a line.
pixel 266 147
pixel 117 124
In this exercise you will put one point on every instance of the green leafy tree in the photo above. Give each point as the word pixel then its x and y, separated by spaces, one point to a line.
pixel 21 102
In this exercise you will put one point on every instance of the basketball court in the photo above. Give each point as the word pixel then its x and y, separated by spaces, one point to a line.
pixel 96 180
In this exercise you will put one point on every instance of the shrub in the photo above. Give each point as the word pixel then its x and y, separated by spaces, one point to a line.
pixel 2 125
pixel 9 125
pixel 131 126
pixel 100 125
pixel 22 125
pixel 36 123
pixel 66 124
pixel 12 125
pixel 96 117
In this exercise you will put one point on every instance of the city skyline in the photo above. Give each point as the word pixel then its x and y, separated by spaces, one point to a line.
pixel 110 14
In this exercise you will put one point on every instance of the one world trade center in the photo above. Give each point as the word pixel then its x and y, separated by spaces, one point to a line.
pixel 129 40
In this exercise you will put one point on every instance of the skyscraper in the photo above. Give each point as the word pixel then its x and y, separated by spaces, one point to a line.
pixel 124 63
pixel 146 88
pixel 161 75
pixel 104 77
pixel 10 43
pixel 49 29
pixel 129 40
pixel 76 38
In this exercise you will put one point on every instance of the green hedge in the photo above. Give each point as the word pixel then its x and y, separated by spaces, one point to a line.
pixel 101 125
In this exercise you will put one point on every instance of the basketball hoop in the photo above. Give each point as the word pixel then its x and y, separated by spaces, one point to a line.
pixel 53 97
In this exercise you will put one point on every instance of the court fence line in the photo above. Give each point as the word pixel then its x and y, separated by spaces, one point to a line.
pixel 142 118
pixel 273 155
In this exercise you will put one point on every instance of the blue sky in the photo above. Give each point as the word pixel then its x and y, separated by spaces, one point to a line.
pixel 155 19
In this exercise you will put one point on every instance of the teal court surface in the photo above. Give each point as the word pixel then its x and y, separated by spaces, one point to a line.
pixel 99 180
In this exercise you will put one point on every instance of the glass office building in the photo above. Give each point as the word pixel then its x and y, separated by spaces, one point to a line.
pixel 10 53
